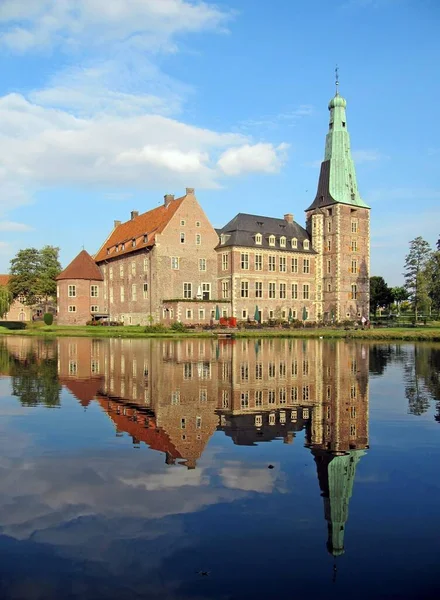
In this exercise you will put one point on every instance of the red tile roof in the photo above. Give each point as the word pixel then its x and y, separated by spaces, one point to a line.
pixel 147 224
pixel 85 390
pixel 4 279
pixel 82 267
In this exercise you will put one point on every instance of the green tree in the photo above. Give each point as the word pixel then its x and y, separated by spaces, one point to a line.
pixel 433 275
pixel 33 274
pixel 380 293
pixel 416 274
pixel 5 300
pixel 399 295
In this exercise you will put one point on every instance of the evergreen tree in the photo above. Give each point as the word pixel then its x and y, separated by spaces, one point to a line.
pixel 433 273
pixel 380 293
pixel 416 274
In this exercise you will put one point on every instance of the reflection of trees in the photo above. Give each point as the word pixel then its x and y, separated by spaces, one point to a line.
pixel 421 385
pixel 381 355
pixel 35 380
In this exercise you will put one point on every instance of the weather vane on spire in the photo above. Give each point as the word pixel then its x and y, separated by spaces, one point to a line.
pixel 337 80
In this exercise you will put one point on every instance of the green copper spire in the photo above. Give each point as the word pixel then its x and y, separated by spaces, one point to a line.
pixel 336 474
pixel 337 180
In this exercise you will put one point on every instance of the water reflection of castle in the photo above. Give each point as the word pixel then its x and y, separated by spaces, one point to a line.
pixel 173 395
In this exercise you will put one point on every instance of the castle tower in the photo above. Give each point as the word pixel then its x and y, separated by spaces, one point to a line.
pixel 339 222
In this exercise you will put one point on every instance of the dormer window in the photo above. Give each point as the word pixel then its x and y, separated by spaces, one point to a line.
pixel 271 240
pixel 222 239
pixel 258 238
pixel 108 250
pixel 133 243
pixel 282 241
pixel 294 243
pixel 145 238
pixel 123 246
pixel 117 248
pixel 306 244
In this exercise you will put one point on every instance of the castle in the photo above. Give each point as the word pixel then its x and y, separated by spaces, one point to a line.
pixel 170 264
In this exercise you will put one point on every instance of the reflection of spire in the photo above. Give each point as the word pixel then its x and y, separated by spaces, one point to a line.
pixel 336 475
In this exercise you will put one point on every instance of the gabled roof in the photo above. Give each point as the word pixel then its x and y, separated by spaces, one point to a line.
pixel 82 267
pixel 4 280
pixel 242 229
pixel 142 228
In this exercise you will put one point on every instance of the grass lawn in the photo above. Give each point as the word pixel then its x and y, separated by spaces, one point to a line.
pixel 423 333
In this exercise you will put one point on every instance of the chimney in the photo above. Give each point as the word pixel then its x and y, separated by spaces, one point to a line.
pixel 117 223
pixel 189 191
pixel 167 199
pixel 288 217
pixel 134 214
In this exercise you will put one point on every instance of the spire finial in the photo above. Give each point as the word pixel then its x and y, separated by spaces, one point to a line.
pixel 337 80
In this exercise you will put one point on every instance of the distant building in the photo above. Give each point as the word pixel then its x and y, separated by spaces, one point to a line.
pixel 169 264
pixel 20 311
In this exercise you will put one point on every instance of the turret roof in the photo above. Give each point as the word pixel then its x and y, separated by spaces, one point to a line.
pixel 82 267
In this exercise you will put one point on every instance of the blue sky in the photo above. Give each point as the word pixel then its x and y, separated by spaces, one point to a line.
pixel 106 106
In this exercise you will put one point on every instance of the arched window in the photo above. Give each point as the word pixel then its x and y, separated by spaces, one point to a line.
pixel 258 238
pixel 271 240
pixel 294 243
pixel 282 242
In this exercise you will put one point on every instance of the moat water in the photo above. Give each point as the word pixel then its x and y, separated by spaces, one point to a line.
pixel 221 470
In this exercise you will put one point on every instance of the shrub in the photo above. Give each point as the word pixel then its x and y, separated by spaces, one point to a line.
pixel 48 318
pixel 158 328
pixel 178 326
pixel 13 324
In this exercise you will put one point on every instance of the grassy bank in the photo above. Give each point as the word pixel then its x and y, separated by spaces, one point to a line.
pixel 424 333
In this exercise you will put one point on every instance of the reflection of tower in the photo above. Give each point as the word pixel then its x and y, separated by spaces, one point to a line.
pixel 336 475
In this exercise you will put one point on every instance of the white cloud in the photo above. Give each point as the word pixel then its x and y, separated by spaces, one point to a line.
pixel 71 23
pixel 248 158
pixel 13 226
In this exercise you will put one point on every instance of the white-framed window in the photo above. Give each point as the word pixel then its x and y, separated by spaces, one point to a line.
pixel 295 265
pixel 258 262
pixel 282 241
pixel 282 290
pixel 353 291
pixel 110 272
pixel 182 237
pixel 72 291
pixel 294 291
pixel 187 290
pixel 294 243
pixel 354 226
pixel 73 367
pixel 306 245
pixel 283 265
pixel 225 289
pixel 94 309
pixel 198 239
pixel 225 262
pixel 306 265
pixel 258 239
pixel 202 264
pixel 271 240
pixel 244 400
pixel 121 270
pixel 244 290
pixel 202 314
pixel 206 291
pixel 272 289
pixel 272 259
pixel 189 313
pixel 111 295
pixel 244 261
pixel 175 263
pixel 258 289
pixel 145 264
pixel 122 293
pixel 305 393
pixel 354 266
pixel 306 291
pixel 133 291
pixel 72 308
pixel 354 245
pixel 93 291
pixel 133 268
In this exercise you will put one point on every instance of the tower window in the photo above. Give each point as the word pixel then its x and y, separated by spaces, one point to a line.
pixel 343 123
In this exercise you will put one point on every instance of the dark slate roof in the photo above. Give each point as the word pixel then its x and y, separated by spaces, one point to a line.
pixel 323 197
pixel 242 229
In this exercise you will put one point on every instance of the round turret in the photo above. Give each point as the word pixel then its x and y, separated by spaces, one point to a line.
pixel 337 101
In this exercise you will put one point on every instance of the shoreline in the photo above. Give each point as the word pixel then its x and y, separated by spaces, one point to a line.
pixel 425 333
